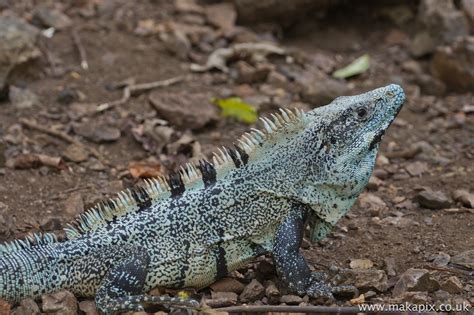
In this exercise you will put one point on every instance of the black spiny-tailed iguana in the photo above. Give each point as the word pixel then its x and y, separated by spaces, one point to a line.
pixel 200 223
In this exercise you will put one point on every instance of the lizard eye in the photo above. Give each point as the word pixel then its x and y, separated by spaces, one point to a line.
pixel 362 113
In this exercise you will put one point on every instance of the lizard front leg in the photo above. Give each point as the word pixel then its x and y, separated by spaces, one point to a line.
pixel 291 265
pixel 122 287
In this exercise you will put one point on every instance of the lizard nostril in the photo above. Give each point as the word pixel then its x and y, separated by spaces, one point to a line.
pixel 390 94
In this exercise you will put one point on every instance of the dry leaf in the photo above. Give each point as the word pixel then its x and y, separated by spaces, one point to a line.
pixel 145 170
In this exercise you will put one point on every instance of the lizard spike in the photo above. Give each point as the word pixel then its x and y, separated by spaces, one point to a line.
pixel 284 114
pixel 259 132
pixel 267 126
pixel 252 138
pixel 217 158
pixel 277 120
pixel 244 146
pixel 291 114
pixel 272 124
pixel 248 140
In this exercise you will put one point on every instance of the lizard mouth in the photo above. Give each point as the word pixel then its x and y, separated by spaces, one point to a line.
pixel 376 140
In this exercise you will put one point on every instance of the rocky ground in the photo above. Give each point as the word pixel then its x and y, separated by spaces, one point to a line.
pixel 97 94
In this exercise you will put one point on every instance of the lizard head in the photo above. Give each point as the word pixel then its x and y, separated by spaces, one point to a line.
pixel 345 137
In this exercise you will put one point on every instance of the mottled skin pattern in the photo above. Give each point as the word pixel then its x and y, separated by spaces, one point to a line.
pixel 256 199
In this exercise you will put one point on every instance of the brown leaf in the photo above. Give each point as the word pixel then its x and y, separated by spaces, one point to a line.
pixel 144 170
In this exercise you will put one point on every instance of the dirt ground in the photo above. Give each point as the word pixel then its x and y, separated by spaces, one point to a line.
pixel 429 148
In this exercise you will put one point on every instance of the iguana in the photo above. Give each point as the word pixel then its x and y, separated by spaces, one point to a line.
pixel 199 224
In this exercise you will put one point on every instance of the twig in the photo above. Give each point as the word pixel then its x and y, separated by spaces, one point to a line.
pixel 58 134
pixel 80 48
pixel 292 309
pixel 452 270
pixel 129 89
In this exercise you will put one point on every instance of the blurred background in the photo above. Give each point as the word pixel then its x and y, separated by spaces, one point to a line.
pixel 98 94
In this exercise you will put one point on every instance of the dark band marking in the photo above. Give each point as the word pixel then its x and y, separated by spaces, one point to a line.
pixel 221 263
pixel 208 173
pixel 141 198
pixel 243 155
pixel 235 157
pixel 176 184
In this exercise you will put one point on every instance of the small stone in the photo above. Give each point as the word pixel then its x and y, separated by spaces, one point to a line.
pixel 22 98
pixel 272 292
pixel 373 203
pixel 227 284
pixel 97 132
pixel 18 46
pixel 413 298
pixel 88 307
pixel 465 259
pixel 442 296
pixel 452 285
pixel 222 299
pixel 252 292
pixel 69 95
pixel 441 259
pixel 277 79
pixel 432 200
pixel 266 268
pixel 464 197
pixel 76 153
pixel 361 264
pixel 358 300
pixel 291 299
pixel 365 279
pixel 74 205
pixel 374 183
pixel 417 168
pixel 27 307
pixel 184 110
pixel 50 17
pixel 247 73
pixel 50 224
pixel 422 44
pixel 319 89
pixel 221 15
pixel 390 266
pixel 415 280
pixel 188 6
pixel 468 8
pixel 412 66
pixel 5 307
pixel 62 302
pixel 454 64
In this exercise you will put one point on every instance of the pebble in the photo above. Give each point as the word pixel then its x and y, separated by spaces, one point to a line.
pixel 432 199
pixel 74 204
pixel 272 293
pixel 22 98
pixel 441 259
pixel 454 64
pixel 452 285
pixel 50 17
pixel 222 299
pixel 361 264
pixel 415 280
pixel 62 302
pixel 18 46
pixel 27 307
pixel 464 197
pixel 319 89
pixel 390 267
pixel 417 168
pixel 75 153
pixel 184 110
pixel 252 292
pixel 88 307
pixel 68 95
pixel 465 259
pixel 221 15
pixel 291 299
pixel 247 73
pixel 97 132
pixel 228 285
pixel 365 279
